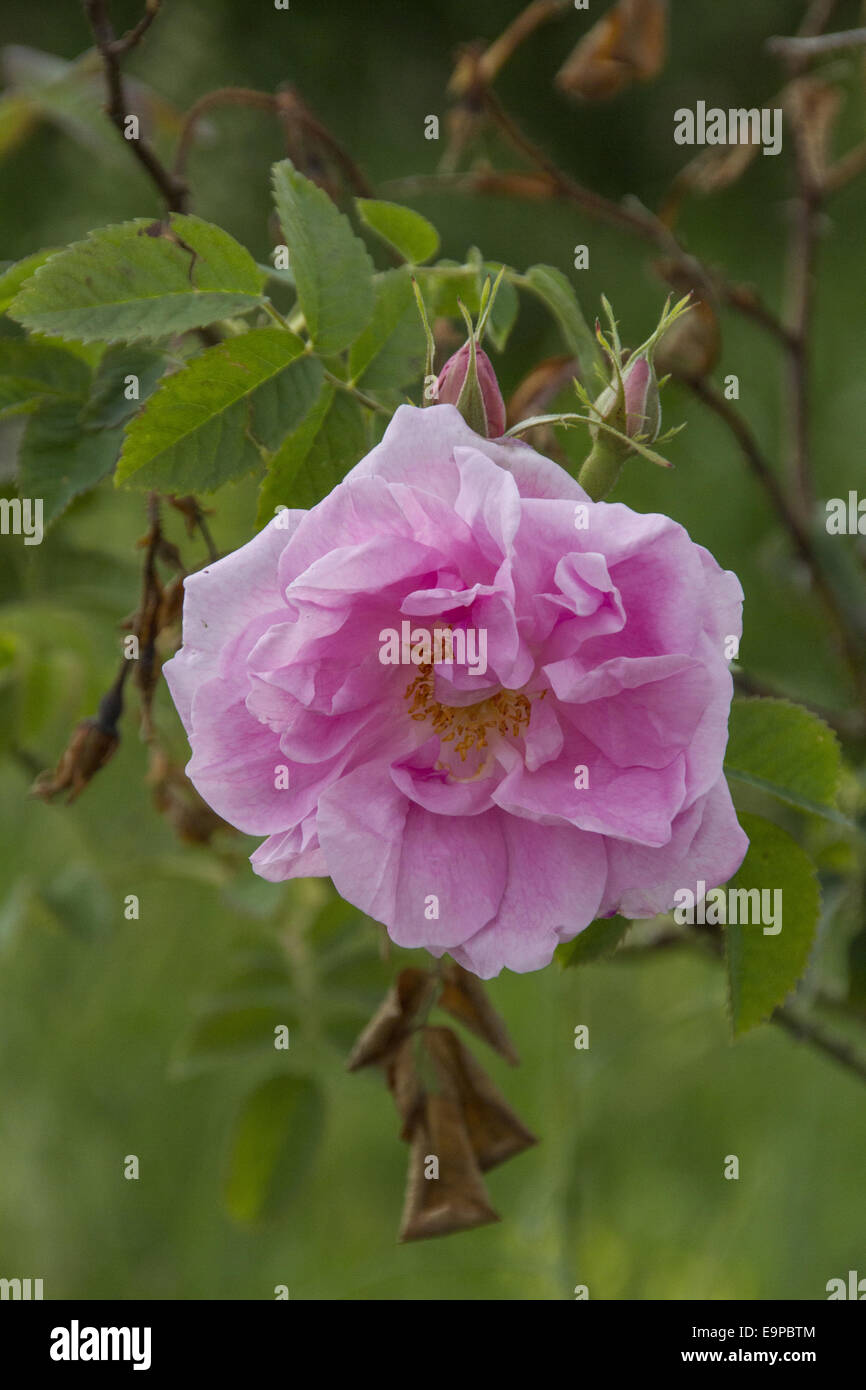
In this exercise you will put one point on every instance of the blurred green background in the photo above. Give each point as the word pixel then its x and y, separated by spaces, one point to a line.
pixel 626 1192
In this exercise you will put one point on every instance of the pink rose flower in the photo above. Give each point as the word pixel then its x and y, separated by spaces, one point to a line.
pixel 488 808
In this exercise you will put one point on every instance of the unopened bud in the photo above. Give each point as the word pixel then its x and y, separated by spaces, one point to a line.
pixel 474 390
pixel 639 410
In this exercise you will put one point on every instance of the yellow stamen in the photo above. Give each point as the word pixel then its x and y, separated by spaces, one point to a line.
pixel 507 712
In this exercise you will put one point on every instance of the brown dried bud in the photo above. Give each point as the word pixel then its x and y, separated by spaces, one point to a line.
pixel 714 169
pixel 495 1132
pixel 176 798
pixel 464 997
pixel 813 106
pixel 170 609
pixel 410 993
pixel 628 44
pixel 93 743
pixel 445 1191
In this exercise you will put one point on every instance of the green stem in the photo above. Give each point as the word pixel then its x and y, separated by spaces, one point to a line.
pixel 360 396
pixel 600 470
pixel 276 315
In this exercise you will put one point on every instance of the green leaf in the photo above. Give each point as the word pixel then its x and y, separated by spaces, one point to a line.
pixel 764 969
pixel 333 272
pixel 555 290
pixel 448 282
pixel 58 460
pixel 315 457
pixel 107 404
pixel 283 402
pixel 33 373
pixel 71 96
pixel 390 351
pixel 785 750
pixel 15 275
pixel 193 435
pixel 599 939
pixel 140 280
pixel 407 231
pixel 273 1146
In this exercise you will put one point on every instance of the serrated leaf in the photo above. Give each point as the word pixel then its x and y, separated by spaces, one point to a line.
pixel 193 434
pixel 557 292
pixel 407 231
pixel 58 460
pixel 443 291
pixel 284 401
pixel 272 1147
pixel 15 275
pixel 763 969
pixel 107 404
pixel 333 272
pixel 33 373
pixel 785 750
pixel 599 939
pixel 134 281
pixel 390 351
pixel 315 457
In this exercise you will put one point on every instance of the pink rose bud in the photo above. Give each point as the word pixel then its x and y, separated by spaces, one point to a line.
pixel 643 415
pixel 479 400
pixel 642 406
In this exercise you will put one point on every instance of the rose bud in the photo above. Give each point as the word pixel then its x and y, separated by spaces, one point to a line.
pixel 93 743
pixel 468 381
pixel 640 411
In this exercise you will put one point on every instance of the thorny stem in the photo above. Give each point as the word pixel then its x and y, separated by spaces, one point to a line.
pixel 360 396
pixel 809 1030
pixel 173 190
pixel 497 54
pixel 295 113
pixel 790 519
pixel 473 84
pixel 816 46
pixel 222 96
pixel 802 253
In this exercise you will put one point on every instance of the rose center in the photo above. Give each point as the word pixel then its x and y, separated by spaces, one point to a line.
pixel 467 726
